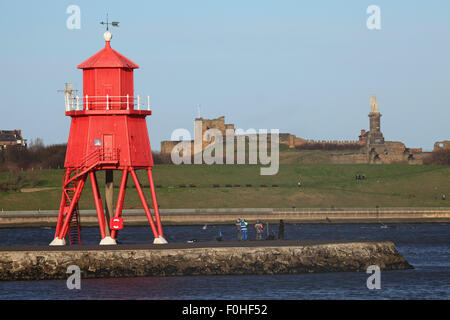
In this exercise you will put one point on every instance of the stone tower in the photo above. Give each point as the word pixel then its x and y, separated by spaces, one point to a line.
pixel 375 135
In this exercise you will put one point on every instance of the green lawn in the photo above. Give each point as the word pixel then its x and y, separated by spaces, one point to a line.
pixel 324 185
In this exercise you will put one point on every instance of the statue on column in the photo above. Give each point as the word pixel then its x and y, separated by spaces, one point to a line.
pixel 374 104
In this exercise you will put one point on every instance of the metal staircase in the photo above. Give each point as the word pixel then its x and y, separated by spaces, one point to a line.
pixel 74 230
pixel 73 186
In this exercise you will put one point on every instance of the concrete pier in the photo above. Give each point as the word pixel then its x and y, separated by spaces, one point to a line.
pixel 211 258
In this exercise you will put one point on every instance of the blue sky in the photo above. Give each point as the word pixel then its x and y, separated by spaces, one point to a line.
pixel 304 67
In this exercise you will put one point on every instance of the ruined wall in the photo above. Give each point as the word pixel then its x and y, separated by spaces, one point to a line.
pixel 395 146
pixel 394 152
pixel 389 153
pixel 167 146
pixel 229 126
pixel 218 123
pixel 291 140
pixel 297 142
pixel 284 138
pixel 374 149
pixel 441 145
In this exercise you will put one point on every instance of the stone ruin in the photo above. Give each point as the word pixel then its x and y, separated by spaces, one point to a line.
pixel 374 148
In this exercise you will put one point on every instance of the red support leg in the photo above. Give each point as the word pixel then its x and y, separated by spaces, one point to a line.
pixel 144 203
pixel 98 203
pixel 120 199
pixel 76 197
pixel 155 202
pixel 62 205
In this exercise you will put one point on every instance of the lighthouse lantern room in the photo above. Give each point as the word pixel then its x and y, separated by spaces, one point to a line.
pixel 108 132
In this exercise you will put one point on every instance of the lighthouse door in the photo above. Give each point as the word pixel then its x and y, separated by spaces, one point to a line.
pixel 108 147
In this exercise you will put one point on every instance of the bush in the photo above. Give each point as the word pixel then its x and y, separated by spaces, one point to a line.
pixel 16 180
pixel 439 157
pixel 161 158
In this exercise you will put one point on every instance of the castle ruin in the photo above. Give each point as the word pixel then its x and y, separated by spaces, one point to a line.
pixel 206 124
pixel 371 145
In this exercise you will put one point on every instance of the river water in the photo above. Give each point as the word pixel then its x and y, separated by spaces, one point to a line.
pixel 425 246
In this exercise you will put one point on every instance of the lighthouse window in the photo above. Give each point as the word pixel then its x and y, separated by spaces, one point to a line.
pixel 97 142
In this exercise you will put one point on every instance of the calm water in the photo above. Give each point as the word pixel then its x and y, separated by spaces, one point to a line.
pixel 425 246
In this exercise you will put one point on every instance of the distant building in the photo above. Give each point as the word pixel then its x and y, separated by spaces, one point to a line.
pixel 441 145
pixel 380 151
pixel 372 147
pixel 363 136
pixel 206 124
pixel 11 138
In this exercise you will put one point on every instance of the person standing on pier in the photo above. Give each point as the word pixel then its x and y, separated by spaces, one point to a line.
pixel 259 230
pixel 244 229
pixel 238 229
pixel 281 230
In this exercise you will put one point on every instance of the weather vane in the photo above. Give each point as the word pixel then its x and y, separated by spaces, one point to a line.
pixel 113 24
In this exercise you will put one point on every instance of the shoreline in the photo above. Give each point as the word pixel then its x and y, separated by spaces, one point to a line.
pixel 137 217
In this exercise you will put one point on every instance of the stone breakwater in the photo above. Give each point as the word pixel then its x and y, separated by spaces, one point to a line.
pixel 228 260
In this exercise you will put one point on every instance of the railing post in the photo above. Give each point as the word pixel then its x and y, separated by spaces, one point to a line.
pixel 78 103
pixel 138 102
pixel 71 102
pixel 66 101
pixel 107 102
pixel 128 102
pixel 87 103
pixel 148 103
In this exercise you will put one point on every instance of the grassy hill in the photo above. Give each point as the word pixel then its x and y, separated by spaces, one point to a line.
pixel 323 185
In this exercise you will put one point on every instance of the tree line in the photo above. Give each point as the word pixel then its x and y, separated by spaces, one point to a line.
pixel 35 156
pixel 39 156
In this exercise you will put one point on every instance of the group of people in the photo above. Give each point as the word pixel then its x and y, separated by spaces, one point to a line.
pixel 242 230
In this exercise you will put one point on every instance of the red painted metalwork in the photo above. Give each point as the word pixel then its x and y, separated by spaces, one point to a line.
pixel 120 199
pixel 108 131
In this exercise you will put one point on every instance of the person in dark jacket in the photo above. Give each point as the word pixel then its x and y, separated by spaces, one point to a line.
pixel 259 227
pixel 238 229
pixel 281 230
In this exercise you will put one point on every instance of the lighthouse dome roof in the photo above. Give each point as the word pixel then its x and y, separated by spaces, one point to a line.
pixel 107 58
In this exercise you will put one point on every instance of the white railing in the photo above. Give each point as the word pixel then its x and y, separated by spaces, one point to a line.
pixel 76 103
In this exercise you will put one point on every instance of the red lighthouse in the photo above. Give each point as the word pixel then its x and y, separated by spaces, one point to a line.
pixel 108 132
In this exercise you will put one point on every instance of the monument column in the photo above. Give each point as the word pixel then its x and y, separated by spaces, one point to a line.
pixel 375 135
